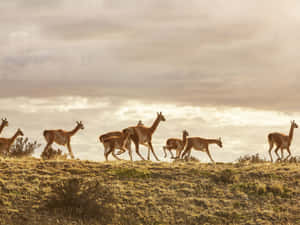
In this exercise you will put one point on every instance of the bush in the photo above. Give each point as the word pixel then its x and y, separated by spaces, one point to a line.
pixel 294 159
pixel 251 159
pixel 22 148
pixel 51 153
pixel 225 176
pixel 86 201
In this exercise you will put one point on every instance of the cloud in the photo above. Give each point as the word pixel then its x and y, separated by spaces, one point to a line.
pixel 196 54
pixel 36 4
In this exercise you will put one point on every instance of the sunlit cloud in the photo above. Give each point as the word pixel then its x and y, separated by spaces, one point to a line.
pixel 55 104
pixel 201 53
pixel 212 116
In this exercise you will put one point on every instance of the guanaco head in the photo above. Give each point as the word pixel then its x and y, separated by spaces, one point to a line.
pixel 5 122
pixel 219 143
pixel 185 133
pixel 19 132
pixel 80 125
pixel 140 123
pixel 161 116
pixel 294 124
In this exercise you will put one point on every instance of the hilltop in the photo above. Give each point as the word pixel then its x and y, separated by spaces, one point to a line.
pixel 33 191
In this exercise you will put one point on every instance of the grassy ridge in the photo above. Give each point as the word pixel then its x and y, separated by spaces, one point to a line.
pixel 33 191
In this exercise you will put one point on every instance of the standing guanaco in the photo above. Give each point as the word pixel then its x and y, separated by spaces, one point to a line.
pixel 62 137
pixel 281 141
pixel 143 135
pixel 5 143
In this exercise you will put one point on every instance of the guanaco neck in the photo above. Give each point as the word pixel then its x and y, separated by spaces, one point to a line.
pixel 74 131
pixel 2 127
pixel 184 139
pixel 14 137
pixel 155 125
pixel 291 134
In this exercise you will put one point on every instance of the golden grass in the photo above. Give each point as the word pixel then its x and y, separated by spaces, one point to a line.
pixel 33 191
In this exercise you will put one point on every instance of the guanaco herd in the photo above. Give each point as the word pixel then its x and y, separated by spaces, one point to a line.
pixel 142 135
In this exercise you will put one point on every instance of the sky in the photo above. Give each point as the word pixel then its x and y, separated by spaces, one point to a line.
pixel 215 68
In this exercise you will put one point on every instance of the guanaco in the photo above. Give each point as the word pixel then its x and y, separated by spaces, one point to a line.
pixel 5 143
pixel 143 135
pixel 282 142
pixel 62 137
pixel 176 144
pixel 121 142
pixel 201 144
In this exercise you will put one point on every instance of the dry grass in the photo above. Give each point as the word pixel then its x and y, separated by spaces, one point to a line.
pixel 34 191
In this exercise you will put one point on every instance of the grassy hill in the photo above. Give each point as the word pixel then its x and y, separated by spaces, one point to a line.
pixel 33 191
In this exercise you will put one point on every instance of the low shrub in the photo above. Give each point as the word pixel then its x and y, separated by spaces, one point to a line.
pixel 22 148
pixel 87 201
pixel 225 176
pixel 294 159
pixel 251 159
pixel 51 153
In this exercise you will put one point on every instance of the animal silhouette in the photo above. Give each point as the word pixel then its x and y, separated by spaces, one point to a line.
pixel 281 141
pixel 200 144
pixel 141 134
pixel 62 137
pixel 176 144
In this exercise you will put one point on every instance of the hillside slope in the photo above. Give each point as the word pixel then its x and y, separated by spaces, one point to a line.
pixel 33 191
